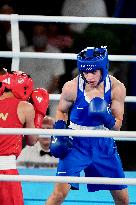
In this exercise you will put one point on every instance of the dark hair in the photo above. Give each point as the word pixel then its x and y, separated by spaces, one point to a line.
pixel 2 71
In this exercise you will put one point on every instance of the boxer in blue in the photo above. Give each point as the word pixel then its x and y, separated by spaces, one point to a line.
pixel 93 100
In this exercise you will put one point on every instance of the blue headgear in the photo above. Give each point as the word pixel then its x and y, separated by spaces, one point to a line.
pixel 91 59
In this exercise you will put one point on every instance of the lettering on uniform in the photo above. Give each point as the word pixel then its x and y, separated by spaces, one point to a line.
pixel 61 172
pixel 80 108
pixel 3 116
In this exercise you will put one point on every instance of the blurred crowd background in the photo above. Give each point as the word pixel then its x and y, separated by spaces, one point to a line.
pixel 72 38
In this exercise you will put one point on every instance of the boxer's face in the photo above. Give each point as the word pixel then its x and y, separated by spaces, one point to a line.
pixel 92 78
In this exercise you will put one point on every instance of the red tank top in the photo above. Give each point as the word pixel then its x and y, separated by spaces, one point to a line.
pixel 10 144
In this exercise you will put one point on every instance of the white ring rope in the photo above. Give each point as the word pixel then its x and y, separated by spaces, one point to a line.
pixel 69 19
pixel 68 56
pixel 45 133
pixel 65 179
pixel 16 54
pixel 38 55
pixel 67 132
pixel 15 18
pixel 127 99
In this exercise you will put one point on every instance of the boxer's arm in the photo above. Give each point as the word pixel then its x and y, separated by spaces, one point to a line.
pixel 61 145
pixel 117 106
pixel 67 98
pixel 26 114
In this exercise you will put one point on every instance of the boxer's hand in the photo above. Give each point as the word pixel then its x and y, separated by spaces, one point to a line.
pixel 40 100
pixel 99 110
pixel 60 146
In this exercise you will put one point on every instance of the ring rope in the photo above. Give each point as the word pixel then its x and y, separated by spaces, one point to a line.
pixel 67 132
pixel 66 179
pixel 68 56
pixel 15 18
pixel 127 99
pixel 68 19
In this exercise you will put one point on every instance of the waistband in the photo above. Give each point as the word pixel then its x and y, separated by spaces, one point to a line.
pixel 7 162
pixel 80 127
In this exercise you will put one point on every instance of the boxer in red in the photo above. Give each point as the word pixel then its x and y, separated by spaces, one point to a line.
pixel 16 89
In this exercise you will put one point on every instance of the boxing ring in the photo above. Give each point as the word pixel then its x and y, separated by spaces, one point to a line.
pixel 38 183
pixel 36 194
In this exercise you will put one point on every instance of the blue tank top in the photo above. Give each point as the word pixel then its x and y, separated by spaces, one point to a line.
pixel 79 111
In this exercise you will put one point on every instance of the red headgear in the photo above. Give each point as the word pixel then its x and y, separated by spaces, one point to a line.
pixel 3 78
pixel 19 83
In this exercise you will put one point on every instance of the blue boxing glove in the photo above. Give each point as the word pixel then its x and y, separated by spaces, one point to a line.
pixel 60 146
pixel 99 110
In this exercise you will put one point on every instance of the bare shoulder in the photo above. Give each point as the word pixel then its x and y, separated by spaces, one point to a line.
pixel 118 88
pixel 70 84
pixel 70 88
pixel 25 106
pixel 25 111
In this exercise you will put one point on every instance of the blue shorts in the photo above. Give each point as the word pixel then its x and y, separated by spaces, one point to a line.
pixel 98 157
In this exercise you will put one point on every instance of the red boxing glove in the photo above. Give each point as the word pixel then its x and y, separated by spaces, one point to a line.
pixel 40 100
